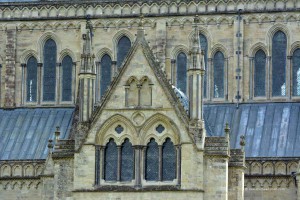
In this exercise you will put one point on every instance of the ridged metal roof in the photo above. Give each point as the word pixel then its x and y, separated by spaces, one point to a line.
pixel 24 132
pixel 271 129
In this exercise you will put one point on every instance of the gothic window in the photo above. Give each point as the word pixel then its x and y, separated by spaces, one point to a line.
pixel 67 71
pixel 31 81
pixel 296 72
pixel 181 73
pixel 127 161
pixel 49 73
pixel 279 46
pixel 105 73
pixel 203 45
pixel 152 161
pixel 259 73
pixel 132 93
pixel 111 161
pixel 145 93
pixel 123 47
pixel 218 74
pixel 138 92
pixel 168 161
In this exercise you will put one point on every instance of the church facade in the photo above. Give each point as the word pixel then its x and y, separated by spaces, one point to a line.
pixel 150 99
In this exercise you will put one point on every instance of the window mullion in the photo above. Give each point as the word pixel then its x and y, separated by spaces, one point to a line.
pixel 288 78
pixel 39 85
pixel 119 163
pixel 160 163
pixel 178 165
pixel 58 82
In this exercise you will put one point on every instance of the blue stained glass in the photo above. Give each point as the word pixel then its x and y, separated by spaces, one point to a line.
pixel 152 161
pixel 111 161
pixel 123 47
pixel 181 71
pixel 127 161
pixel 105 73
pixel 119 129
pixel 219 73
pixel 31 81
pixel 279 45
pixel 160 128
pixel 296 72
pixel 67 69
pixel 49 66
pixel 259 73
pixel 168 161
pixel 203 45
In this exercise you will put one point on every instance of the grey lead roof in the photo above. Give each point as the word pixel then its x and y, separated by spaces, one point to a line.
pixel 271 129
pixel 24 132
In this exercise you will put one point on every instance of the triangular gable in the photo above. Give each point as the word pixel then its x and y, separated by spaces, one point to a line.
pixel 160 75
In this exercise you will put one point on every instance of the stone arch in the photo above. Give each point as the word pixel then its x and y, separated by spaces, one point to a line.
pixel 66 52
pixel 178 49
pixel 27 54
pixel 126 10
pixel 117 37
pixel 268 168
pixel 256 47
pixel 28 170
pixel 273 30
pixel 170 130
pixel 44 38
pixel 5 170
pixel 294 47
pixel 107 131
pixel 102 52
pixel 38 170
pixel 256 168
pixel 292 167
pixel 17 170
pixel 280 168
pixel 218 47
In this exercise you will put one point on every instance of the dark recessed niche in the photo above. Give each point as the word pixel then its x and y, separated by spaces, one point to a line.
pixel 160 128
pixel 119 129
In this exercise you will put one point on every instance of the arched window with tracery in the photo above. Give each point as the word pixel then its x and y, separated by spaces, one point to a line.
pixel 105 73
pixel 67 75
pixel 49 70
pixel 279 48
pixel 204 47
pixel 152 161
pixel 260 74
pixel 31 80
pixel 111 161
pixel 219 74
pixel 123 47
pixel 296 72
pixel 127 161
pixel 168 161
pixel 181 71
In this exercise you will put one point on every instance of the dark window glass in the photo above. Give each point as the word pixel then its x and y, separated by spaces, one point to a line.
pixel 111 161
pixel 259 73
pixel 219 73
pixel 127 161
pixel 168 161
pixel 49 66
pixel 296 72
pixel 181 71
pixel 279 45
pixel 203 45
pixel 151 172
pixel 123 47
pixel 67 68
pixel 105 73
pixel 31 82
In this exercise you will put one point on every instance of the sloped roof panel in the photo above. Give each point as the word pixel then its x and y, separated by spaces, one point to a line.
pixel 271 129
pixel 24 132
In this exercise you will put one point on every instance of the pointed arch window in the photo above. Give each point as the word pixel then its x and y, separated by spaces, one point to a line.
pixel 219 74
pixel 279 55
pixel 296 72
pixel 31 80
pixel 168 161
pixel 127 161
pixel 152 161
pixel 105 73
pixel 123 47
pixel 67 72
pixel 181 71
pixel 49 73
pixel 260 74
pixel 111 161
pixel 204 46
